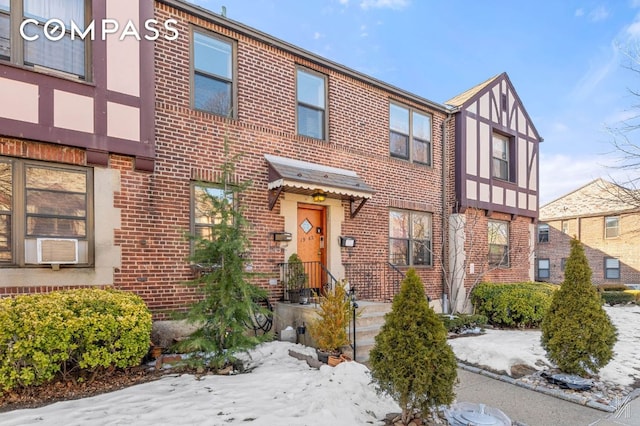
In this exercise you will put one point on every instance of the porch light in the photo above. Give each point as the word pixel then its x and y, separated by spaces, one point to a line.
pixel 318 196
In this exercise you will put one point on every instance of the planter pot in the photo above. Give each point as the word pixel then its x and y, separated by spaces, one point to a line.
pixel 334 360
pixel 323 356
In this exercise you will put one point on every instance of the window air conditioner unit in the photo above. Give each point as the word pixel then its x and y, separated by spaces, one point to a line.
pixel 56 251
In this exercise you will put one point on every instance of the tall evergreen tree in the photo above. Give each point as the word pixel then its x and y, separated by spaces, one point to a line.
pixel 577 332
pixel 229 302
pixel 411 360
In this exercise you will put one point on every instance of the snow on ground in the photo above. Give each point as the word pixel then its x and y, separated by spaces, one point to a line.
pixel 501 349
pixel 285 391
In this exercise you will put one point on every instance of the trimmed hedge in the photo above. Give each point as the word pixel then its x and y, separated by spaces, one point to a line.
pixel 520 305
pixel 617 297
pixel 45 335
pixel 611 287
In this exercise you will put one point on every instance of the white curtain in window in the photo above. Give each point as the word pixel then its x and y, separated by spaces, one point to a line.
pixel 65 10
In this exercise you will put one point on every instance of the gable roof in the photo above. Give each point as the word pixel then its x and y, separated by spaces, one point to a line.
pixel 463 100
pixel 597 198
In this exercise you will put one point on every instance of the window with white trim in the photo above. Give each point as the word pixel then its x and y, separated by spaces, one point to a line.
pixel 213 74
pixel 311 103
pixel 43 200
pixel 498 236
pixel 611 226
pixel 410 238
pixel 543 233
pixel 58 50
pixel 410 134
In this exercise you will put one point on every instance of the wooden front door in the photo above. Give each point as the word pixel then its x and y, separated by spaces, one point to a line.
pixel 311 241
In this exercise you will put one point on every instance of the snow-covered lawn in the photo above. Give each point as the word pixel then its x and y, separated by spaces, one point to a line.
pixel 282 390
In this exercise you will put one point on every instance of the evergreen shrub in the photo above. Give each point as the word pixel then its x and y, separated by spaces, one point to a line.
pixel 86 330
pixel 611 287
pixel 411 360
pixel 520 305
pixel 577 332
pixel 612 298
pixel 458 323
pixel 329 330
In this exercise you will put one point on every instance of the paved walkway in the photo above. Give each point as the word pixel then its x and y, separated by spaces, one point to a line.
pixel 531 408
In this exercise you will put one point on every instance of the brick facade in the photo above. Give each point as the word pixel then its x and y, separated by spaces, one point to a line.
pixel 154 208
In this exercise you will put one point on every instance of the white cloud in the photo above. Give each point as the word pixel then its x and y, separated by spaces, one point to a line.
pixel 579 12
pixel 561 174
pixel 384 4
pixel 343 2
pixel 600 13
pixel 600 68
pixel 317 35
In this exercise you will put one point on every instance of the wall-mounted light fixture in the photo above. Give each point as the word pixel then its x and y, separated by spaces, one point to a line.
pixel 318 196
pixel 282 236
pixel 347 241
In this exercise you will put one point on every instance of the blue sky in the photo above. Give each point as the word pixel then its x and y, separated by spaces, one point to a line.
pixel 566 60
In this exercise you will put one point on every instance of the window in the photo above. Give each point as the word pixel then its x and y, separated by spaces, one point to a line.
pixel 206 209
pixel 563 263
pixel 498 243
pixel 58 51
pixel 39 200
pixel 543 233
pixel 213 74
pixel 565 226
pixel 410 238
pixel 544 269
pixel 501 157
pixel 311 101
pixel 611 268
pixel 409 134
pixel 611 226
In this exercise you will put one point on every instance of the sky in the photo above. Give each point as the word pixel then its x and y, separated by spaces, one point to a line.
pixel 568 60
pixel 282 390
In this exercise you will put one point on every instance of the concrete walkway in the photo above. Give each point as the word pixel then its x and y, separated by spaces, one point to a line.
pixel 531 408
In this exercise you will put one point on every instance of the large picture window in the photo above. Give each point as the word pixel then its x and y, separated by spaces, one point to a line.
pixel 498 243
pixel 213 74
pixel 311 100
pixel 410 238
pixel 58 51
pixel 39 200
pixel 409 134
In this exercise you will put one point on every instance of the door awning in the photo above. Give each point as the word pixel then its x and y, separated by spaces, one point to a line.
pixel 302 177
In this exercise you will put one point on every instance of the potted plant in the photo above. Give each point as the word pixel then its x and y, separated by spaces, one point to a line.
pixel 296 278
pixel 329 330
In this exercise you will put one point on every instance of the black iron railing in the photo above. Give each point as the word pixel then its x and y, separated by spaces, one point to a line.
pixel 378 282
pixel 304 281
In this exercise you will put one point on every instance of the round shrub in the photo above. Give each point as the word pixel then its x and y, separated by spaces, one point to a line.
pixel 44 335
pixel 521 305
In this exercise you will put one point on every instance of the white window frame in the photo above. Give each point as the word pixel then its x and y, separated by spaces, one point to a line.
pixel 541 232
pixel 504 159
pixel 608 268
pixel 611 227
pixel 547 268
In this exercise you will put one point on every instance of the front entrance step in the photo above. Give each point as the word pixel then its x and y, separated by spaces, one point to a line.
pixel 368 325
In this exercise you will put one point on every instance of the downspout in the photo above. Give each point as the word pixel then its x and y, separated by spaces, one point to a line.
pixel 445 216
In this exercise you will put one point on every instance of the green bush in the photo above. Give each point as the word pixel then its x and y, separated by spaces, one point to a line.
pixel 577 333
pixel 460 322
pixel 611 287
pixel 513 305
pixel 46 335
pixel 411 360
pixel 617 297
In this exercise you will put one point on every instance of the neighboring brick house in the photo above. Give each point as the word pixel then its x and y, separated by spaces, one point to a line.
pixel 608 227
pixel 111 157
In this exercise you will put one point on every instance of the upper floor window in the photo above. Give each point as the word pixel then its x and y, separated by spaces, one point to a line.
pixel 501 157
pixel 543 233
pixel 563 263
pixel 544 269
pixel 39 200
pixel 565 226
pixel 410 238
pixel 410 134
pixel 213 74
pixel 498 237
pixel 57 49
pixel 611 268
pixel 311 101
pixel 611 226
